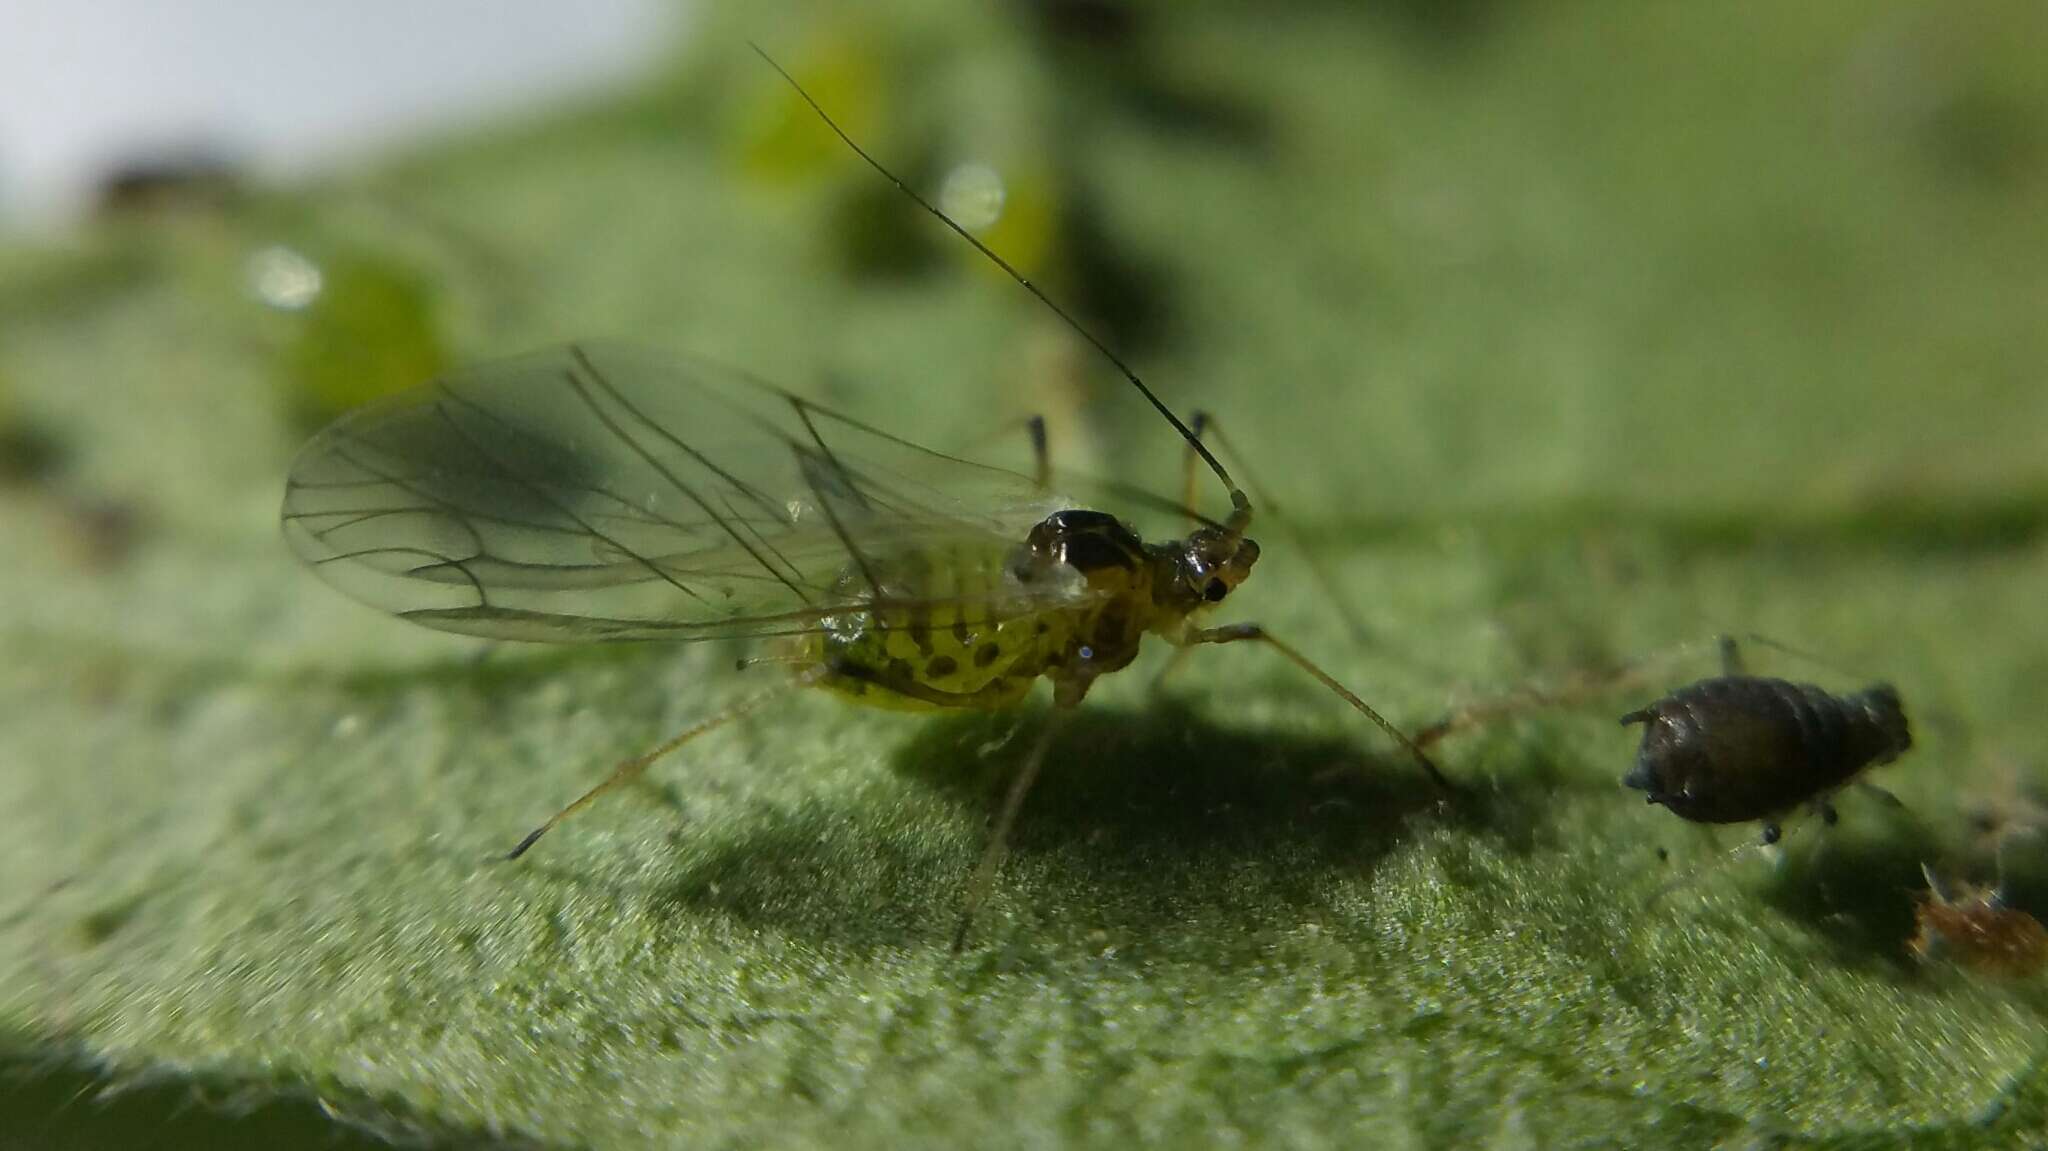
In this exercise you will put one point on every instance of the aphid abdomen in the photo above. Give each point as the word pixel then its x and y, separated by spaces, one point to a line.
pixel 1738 748
pixel 986 666
pixel 945 637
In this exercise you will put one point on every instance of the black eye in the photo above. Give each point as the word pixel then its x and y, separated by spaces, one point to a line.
pixel 1215 591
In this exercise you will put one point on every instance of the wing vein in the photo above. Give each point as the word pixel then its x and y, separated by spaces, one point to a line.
pixel 540 493
pixel 690 493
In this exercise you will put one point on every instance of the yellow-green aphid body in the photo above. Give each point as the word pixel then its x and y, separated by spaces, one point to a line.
pixel 937 643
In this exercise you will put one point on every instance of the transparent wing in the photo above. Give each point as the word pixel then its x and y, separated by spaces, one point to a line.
pixel 603 492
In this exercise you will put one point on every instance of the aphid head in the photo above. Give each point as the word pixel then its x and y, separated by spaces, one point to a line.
pixel 1642 776
pixel 1211 563
pixel 1647 774
pixel 1880 704
pixel 1668 762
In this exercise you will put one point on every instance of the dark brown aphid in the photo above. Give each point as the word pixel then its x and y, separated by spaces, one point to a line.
pixel 192 176
pixel 1739 747
pixel 1978 930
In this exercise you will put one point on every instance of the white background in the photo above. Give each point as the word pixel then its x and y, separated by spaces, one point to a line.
pixel 281 86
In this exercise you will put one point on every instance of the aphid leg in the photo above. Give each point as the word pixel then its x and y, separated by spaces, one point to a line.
pixel 1878 793
pixel 1041 453
pixel 999 834
pixel 1731 656
pixel 1694 875
pixel 1934 885
pixel 1773 834
pixel 1034 430
pixel 1174 661
pixel 1241 632
pixel 792 657
pixel 631 769
pixel 1581 687
pixel 1534 697
pixel 1198 423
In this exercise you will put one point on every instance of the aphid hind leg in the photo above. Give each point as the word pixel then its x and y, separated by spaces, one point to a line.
pixel 998 845
pixel 1041 447
pixel 1251 632
pixel 633 768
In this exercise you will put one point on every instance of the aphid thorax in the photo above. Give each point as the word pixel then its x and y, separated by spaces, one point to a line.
pixel 1175 578
pixel 1736 747
pixel 1158 588
pixel 1099 589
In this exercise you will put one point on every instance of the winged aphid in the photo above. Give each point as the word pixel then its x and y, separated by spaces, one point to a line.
pixel 597 493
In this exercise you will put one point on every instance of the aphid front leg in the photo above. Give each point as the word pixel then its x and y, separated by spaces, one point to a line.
pixel 1242 632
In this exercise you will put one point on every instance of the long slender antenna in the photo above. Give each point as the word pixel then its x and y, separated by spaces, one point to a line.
pixel 1240 504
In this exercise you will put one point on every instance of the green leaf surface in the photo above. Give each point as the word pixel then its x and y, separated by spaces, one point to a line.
pixel 1563 335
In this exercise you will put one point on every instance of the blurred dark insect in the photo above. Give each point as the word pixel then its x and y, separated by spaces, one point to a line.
pixel 28 452
pixel 94 530
pixel 1733 748
pixel 194 176
pixel 1737 748
pixel 1113 23
pixel 100 532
